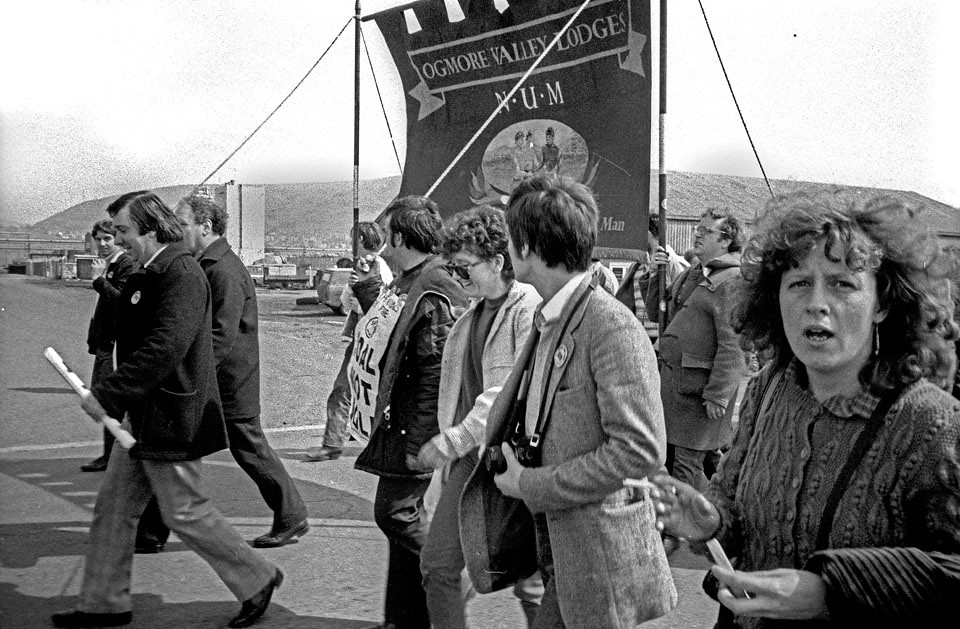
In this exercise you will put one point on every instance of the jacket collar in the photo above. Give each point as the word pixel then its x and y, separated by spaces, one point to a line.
pixel 163 260
pixel 725 261
pixel 215 250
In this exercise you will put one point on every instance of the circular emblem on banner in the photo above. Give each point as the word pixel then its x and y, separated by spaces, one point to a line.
pixel 560 356
pixel 371 328
pixel 135 298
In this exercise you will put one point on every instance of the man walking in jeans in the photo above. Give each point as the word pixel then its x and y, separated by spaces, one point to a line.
pixel 395 375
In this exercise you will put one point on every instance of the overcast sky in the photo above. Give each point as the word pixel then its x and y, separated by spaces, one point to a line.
pixel 101 97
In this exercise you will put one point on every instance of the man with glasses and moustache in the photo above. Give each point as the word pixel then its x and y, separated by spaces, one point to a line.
pixel 702 363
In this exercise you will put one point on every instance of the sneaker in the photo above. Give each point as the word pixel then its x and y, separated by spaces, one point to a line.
pixel 326 453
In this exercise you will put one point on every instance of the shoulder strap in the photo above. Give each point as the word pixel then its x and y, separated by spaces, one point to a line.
pixel 863 443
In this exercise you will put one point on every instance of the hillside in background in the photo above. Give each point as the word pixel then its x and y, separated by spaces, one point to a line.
pixel 320 214
pixel 297 214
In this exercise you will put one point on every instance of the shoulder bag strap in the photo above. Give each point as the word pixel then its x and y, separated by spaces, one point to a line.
pixel 863 443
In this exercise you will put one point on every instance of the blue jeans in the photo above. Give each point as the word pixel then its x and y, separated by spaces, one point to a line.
pixel 338 406
pixel 399 513
pixel 442 562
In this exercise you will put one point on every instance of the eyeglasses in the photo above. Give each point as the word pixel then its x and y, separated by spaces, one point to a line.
pixel 462 271
pixel 703 231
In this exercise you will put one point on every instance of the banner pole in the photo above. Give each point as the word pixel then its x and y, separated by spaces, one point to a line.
pixel 356 129
pixel 662 178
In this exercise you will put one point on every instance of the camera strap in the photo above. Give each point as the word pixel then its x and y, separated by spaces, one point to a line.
pixel 543 419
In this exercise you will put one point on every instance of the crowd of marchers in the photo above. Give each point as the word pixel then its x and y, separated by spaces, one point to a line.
pixel 535 424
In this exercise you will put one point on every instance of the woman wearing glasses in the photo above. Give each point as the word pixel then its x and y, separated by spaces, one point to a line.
pixel 479 355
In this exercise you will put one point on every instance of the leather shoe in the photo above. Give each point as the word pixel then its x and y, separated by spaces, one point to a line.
pixel 78 619
pixel 283 537
pixel 99 464
pixel 148 548
pixel 326 453
pixel 253 607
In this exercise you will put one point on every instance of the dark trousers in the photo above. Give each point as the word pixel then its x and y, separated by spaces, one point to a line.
pixel 548 616
pixel 103 367
pixel 399 512
pixel 252 452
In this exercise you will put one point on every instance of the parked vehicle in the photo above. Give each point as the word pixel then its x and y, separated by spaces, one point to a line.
pixel 278 273
pixel 330 284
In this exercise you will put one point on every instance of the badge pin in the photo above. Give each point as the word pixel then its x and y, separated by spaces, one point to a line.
pixel 560 356
pixel 135 298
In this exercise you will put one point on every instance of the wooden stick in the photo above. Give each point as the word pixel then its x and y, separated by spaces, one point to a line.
pixel 122 436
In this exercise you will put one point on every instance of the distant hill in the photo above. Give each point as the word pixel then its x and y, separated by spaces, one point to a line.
pixel 320 214
pixel 300 214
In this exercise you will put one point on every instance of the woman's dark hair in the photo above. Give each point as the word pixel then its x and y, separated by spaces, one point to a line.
pixel 482 231
pixel 882 235
pixel 556 217
pixel 150 214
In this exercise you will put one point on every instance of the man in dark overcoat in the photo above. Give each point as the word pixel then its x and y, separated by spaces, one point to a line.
pixel 236 348
pixel 165 384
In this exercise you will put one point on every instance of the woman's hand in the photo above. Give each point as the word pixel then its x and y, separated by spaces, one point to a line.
pixel 783 593
pixel 682 510
pixel 431 456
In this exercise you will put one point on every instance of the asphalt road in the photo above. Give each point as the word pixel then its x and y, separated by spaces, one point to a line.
pixel 335 575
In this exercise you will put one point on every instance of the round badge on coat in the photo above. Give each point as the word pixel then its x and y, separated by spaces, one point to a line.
pixel 560 356
pixel 135 298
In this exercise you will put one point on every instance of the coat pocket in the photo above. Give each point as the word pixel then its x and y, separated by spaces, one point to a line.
pixel 694 374
pixel 170 420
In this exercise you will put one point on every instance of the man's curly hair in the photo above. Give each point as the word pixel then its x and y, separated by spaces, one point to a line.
pixel 482 231
pixel 880 234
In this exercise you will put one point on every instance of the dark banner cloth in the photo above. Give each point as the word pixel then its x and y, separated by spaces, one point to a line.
pixel 592 91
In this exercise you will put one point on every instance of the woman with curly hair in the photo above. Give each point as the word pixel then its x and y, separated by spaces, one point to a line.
pixel 840 497
pixel 479 354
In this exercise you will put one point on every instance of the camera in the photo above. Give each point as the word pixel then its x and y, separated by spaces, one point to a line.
pixel 526 449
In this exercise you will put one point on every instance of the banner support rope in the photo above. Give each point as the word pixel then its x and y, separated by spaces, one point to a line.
pixel 277 108
pixel 383 108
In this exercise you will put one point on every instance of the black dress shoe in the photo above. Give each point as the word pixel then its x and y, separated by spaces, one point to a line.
pixel 99 464
pixel 148 548
pixel 281 538
pixel 253 607
pixel 80 620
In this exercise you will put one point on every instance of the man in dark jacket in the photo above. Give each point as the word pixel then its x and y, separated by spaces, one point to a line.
pixel 165 383
pixel 110 273
pixel 236 348
pixel 700 353
pixel 403 408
